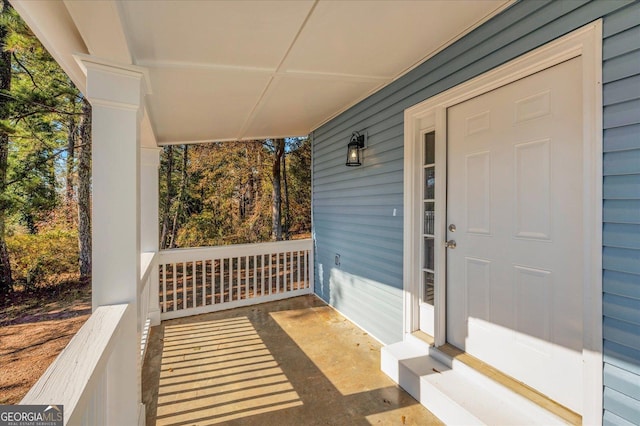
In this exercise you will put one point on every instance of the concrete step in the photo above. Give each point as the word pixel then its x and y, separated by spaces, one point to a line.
pixel 456 393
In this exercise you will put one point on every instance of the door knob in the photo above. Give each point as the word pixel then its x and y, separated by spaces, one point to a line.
pixel 450 244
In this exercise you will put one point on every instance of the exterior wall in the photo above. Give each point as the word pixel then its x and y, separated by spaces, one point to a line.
pixel 354 208
pixel 621 215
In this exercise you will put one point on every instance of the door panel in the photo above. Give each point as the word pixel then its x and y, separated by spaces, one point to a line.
pixel 514 192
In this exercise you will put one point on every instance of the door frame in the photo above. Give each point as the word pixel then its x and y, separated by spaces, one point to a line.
pixel 430 114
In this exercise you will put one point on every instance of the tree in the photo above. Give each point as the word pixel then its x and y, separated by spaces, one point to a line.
pixel 6 282
pixel 223 192
pixel 45 104
pixel 38 134
pixel 167 165
pixel 299 186
pixel 84 192
pixel 287 212
pixel 181 197
pixel 70 165
pixel 276 207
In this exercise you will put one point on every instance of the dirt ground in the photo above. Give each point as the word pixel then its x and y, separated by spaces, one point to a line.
pixel 34 328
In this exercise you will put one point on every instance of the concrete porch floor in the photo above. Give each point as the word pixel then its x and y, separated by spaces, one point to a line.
pixel 291 362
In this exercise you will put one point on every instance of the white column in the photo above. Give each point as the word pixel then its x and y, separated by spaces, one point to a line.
pixel 116 95
pixel 149 238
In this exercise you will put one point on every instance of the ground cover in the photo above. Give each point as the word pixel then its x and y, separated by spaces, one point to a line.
pixel 35 325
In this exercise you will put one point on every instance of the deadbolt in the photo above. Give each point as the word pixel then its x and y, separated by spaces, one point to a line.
pixel 450 244
pixel 452 228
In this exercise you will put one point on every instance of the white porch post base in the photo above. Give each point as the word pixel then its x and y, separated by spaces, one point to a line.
pixel 116 94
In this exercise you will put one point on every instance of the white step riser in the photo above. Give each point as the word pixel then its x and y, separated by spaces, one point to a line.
pixel 444 408
pixel 395 366
pixel 412 365
pixel 496 389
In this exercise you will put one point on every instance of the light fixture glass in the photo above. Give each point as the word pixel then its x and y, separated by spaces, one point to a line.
pixel 356 143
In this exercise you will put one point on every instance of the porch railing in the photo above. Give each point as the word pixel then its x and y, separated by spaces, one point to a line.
pixel 194 281
pixel 77 379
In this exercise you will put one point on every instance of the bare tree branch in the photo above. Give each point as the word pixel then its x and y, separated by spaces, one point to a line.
pixel 25 69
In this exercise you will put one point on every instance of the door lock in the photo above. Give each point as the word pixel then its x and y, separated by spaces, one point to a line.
pixel 450 244
pixel 452 228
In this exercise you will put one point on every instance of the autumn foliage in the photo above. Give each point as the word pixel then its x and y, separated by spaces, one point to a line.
pixel 222 193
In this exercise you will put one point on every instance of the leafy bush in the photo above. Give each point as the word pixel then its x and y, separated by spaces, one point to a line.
pixel 48 257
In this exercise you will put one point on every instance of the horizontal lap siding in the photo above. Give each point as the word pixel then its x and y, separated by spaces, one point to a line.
pixel 621 216
pixel 354 208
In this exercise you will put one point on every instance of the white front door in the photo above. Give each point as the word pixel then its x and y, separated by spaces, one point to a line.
pixel 515 196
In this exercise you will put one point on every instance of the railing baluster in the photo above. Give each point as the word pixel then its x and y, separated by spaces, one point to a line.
pixel 270 273
pixel 174 282
pixel 204 282
pixel 214 280
pixel 255 275
pixel 164 287
pixel 277 272
pixel 238 279
pixel 284 271
pixel 184 285
pixel 262 275
pixel 246 277
pixel 232 274
pixel 287 269
pixel 304 269
pixel 222 280
pixel 193 283
pixel 307 275
pixel 291 270
pixel 221 277
pixel 298 262
pixel 285 280
pixel 232 280
pixel 287 275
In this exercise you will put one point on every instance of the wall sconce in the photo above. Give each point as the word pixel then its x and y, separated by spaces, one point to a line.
pixel 356 143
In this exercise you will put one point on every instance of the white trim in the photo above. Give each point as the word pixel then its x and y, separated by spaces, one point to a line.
pixel 142 413
pixel 439 302
pixel 85 62
pixel 593 130
pixel 585 42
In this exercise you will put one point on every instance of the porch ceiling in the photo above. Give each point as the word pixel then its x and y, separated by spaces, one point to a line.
pixel 229 70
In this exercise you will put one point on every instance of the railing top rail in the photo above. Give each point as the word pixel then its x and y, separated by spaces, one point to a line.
pixel 146 264
pixel 201 253
pixel 77 367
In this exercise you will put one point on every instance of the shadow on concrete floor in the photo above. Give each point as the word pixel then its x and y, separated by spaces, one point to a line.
pixel 291 362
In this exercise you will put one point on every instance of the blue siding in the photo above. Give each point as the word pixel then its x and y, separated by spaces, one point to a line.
pixel 354 207
pixel 621 215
